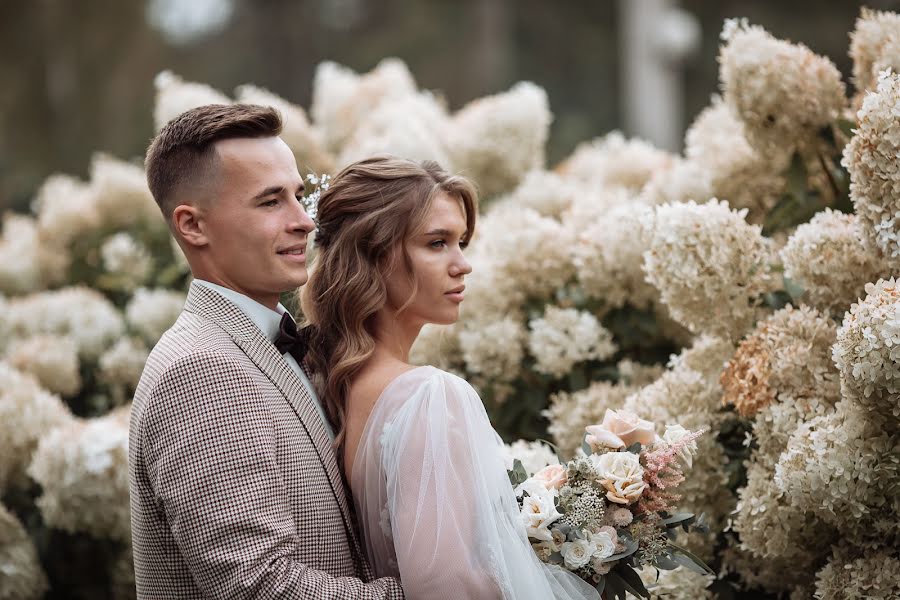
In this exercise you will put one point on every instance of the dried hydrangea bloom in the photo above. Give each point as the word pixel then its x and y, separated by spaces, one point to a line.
pixel 709 265
pixel 26 264
pixel 27 412
pixel 867 352
pixel 858 574
pixel 774 425
pixel 23 578
pixel 93 326
pixel 121 366
pixel 789 540
pixel 570 412
pixel 175 96
pixel 525 250
pixel 305 141
pixel 784 93
pixel 873 32
pixel 437 345
pixel 495 140
pixel 871 159
pixel 83 472
pixel 341 99
pixel 52 360
pixel 843 468
pixel 828 258
pixel 684 180
pixel 151 312
pixel 614 161
pixel 534 456
pixel 128 258
pixel 735 171
pixel 546 192
pixel 121 195
pixel 707 355
pixel 609 254
pixel 409 126
pixel 493 349
pixel 786 358
pixel 592 204
pixel 563 337
pixel 65 210
pixel 638 374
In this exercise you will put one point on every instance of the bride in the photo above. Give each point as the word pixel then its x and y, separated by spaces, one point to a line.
pixel 424 464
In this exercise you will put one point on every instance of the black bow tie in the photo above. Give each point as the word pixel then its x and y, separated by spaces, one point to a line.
pixel 290 340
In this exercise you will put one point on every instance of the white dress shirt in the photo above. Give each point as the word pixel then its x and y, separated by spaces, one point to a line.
pixel 269 322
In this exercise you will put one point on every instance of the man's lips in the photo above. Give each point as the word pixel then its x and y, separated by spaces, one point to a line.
pixel 297 253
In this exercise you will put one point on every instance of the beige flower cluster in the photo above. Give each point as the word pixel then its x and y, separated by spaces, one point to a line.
pixel 829 259
pixel 852 574
pixel 563 337
pixel 93 327
pixel 677 584
pixel 871 157
pixel 711 267
pixel 151 311
pixel 120 367
pixel 570 412
pixel 26 264
pixel 867 351
pixel 787 358
pixel 51 359
pixel 614 161
pixel 874 46
pixel 27 413
pixel 784 93
pixel 83 472
pixel 22 576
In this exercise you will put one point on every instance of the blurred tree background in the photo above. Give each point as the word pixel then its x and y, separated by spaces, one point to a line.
pixel 77 77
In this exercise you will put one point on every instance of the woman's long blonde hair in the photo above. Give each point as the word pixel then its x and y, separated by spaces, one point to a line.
pixel 369 210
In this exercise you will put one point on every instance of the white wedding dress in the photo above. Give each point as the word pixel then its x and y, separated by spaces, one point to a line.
pixel 434 501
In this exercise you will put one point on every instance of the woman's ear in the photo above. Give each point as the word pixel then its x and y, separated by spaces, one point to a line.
pixel 188 224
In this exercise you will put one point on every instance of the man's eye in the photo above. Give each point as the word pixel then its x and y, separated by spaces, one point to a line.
pixel 269 203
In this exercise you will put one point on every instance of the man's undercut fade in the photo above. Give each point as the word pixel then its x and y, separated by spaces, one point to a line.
pixel 181 158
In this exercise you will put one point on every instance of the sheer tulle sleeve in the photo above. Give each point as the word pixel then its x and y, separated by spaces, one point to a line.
pixel 434 499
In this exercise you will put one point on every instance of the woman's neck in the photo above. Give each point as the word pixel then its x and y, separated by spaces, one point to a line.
pixel 394 336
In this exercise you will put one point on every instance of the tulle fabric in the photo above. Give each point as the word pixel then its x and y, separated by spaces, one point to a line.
pixel 434 501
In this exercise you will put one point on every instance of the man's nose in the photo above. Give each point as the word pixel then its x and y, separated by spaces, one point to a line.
pixel 301 221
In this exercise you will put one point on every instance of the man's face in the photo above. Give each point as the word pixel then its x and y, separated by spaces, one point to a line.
pixel 255 227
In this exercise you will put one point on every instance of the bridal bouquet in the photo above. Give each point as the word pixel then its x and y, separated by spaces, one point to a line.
pixel 612 509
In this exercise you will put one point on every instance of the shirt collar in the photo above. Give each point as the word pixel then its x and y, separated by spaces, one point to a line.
pixel 268 320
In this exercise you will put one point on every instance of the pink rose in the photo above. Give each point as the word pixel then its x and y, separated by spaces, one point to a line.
pixel 629 427
pixel 599 437
pixel 552 476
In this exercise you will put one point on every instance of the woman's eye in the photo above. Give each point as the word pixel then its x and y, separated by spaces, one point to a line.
pixel 438 244
pixel 463 245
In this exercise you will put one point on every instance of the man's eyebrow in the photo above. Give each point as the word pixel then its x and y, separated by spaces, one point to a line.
pixel 273 190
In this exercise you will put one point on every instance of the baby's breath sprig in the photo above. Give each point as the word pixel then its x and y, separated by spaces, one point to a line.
pixel 318 183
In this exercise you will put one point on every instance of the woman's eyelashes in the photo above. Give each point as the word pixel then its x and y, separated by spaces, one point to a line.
pixel 442 243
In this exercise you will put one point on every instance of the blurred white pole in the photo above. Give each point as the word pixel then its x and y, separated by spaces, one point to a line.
pixel 656 37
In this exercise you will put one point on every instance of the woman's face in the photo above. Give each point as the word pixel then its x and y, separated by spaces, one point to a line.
pixel 437 257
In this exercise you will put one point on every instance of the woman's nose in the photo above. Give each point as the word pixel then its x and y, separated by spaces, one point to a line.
pixel 460 265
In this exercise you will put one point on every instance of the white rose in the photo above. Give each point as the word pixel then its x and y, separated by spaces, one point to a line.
pixel 673 435
pixel 621 474
pixel 600 438
pixel 538 513
pixel 578 553
pixel 604 544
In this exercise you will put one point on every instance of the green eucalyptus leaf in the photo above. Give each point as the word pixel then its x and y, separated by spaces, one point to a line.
pixel 632 580
pixel 689 560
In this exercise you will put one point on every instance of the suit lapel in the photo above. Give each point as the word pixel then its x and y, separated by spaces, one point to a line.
pixel 211 305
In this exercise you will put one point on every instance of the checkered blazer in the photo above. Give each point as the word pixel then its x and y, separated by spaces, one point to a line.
pixel 235 488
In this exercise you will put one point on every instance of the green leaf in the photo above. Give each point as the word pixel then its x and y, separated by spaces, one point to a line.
pixel 793 288
pixel 601 585
pixel 633 581
pixel 635 448
pixel 585 447
pixel 689 560
pixel 846 126
pixel 677 519
pixel 665 562
pixel 615 587
pixel 631 547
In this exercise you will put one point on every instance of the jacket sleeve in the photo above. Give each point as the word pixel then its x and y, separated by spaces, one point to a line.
pixel 208 443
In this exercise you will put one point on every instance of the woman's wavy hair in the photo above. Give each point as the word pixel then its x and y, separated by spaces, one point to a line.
pixel 370 208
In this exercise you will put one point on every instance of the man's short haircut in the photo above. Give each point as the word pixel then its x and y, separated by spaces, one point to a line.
pixel 182 157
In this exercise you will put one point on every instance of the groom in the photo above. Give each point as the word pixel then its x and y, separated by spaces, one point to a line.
pixel 235 487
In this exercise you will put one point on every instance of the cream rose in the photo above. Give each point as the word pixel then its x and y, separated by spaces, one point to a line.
pixel 604 543
pixel 538 513
pixel 629 427
pixel 552 476
pixel 621 474
pixel 600 438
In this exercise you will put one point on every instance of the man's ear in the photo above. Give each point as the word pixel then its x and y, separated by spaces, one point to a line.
pixel 188 223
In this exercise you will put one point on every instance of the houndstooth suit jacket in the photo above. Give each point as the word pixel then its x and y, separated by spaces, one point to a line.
pixel 235 487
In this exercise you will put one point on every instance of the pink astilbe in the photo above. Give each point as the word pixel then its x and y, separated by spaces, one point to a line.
pixel 662 473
